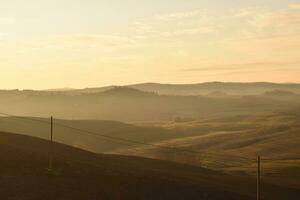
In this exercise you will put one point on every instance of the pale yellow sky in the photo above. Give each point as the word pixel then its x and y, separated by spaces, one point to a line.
pixel 53 44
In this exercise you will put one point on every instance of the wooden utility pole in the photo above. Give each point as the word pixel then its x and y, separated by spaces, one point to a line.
pixel 51 145
pixel 258 178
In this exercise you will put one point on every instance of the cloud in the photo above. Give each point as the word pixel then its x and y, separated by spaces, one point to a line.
pixel 295 6
pixel 244 66
pixel 1 36
pixel 268 36
pixel 252 22
pixel 72 43
pixel 90 40
pixel 263 24
pixel 187 32
pixel 193 31
pixel 7 20
pixel 180 15
pixel 172 25
pixel 264 19
pixel 242 13
pixel 172 31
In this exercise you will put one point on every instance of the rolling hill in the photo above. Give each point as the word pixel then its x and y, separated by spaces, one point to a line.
pixel 227 126
pixel 128 104
pixel 233 88
pixel 254 88
pixel 232 145
pixel 40 127
pixel 228 144
pixel 78 174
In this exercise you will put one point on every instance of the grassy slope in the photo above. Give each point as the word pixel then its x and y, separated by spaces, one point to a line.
pixel 273 136
pixel 83 175
pixel 84 140
pixel 269 135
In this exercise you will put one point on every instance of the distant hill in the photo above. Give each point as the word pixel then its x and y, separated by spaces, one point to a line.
pixel 254 88
pixel 59 89
pixel 283 95
pixel 126 91
pixel 217 94
pixel 129 104
pixel 280 93
pixel 205 88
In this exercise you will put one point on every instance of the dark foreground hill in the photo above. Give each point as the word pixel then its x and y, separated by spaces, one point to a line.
pixel 79 174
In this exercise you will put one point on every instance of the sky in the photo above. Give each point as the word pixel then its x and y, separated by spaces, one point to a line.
pixel 76 44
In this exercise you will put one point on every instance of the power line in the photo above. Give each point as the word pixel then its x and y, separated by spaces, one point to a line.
pixel 130 142
pixel 137 142
pixel 34 119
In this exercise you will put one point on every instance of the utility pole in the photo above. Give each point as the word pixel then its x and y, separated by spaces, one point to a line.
pixel 258 178
pixel 51 145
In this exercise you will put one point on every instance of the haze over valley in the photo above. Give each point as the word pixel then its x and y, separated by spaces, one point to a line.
pixel 149 100
pixel 224 122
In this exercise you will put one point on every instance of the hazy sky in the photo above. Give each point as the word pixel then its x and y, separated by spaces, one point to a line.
pixel 88 43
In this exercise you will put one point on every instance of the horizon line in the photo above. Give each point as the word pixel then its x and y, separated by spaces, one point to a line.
pixel 143 83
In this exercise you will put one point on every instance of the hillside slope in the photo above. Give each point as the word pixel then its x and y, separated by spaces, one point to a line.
pixel 82 175
pixel 40 127
pixel 226 143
